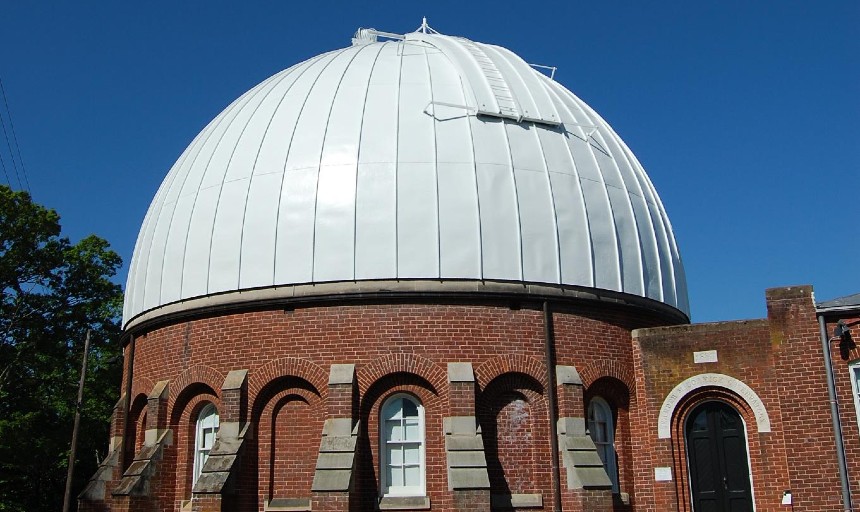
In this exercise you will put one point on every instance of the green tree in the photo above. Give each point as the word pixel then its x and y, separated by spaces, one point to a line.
pixel 51 292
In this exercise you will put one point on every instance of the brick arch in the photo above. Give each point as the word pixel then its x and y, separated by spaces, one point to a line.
pixel 605 368
pixel 510 363
pixel 756 449
pixel 611 389
pixel 368 454
pixel 141 386
pixel 739 394
pixel 137 404
pixel 195 374
pixel 134 427
pixel 402 363
pixel 184 426
pixel 281 452
pixel 186 399
pixel 288 367
pixel 512 411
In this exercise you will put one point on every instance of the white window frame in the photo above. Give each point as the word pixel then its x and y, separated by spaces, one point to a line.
pixel 854 376
pixel 605 448
pixel 207 420
pixel 385 488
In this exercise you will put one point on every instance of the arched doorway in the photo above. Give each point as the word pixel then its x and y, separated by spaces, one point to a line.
pixel 717 458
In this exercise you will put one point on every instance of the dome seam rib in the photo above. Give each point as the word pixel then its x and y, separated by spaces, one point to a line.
pixel 504 125
pixel 257 158
pixel 159 196
pixel 233 108
pixel 272 86
pixel 618 256
pixel 435 168
pixel 333 55
pixel 535 128
pixel 397 164
pixel 637 176
pixel 608 142
pixel 176 205
pixel 322 150
pixel 469 120
pixel 665 231
pixel 209 133
pixel 590 238
pixel 358 160
pixel 233 112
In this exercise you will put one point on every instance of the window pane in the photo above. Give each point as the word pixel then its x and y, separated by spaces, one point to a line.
pixel 602 432
pixel 413 433
pixel 412 453
pixel 395 455
pixel 393 409
pixel 393 431
pixel 395 477
pixel 413 476
pixel 410 409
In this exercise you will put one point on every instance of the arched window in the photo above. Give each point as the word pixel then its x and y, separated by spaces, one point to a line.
pixel 204 438
pixel 402 446
pixel 602 431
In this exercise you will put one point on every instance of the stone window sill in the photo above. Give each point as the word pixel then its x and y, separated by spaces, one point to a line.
pixel 287 505
pixel 404 503
pixel 516 501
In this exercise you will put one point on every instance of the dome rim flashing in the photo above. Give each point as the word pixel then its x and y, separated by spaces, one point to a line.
pixel 340 292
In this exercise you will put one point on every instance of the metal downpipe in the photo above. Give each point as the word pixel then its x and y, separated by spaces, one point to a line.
pixel 549 345
pixel 834 414
pixel 127 409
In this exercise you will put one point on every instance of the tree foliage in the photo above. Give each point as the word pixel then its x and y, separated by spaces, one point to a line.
pixel 51 292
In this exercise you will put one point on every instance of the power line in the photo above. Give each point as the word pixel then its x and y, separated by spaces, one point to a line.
pixel 11 155
pixel 3 164
pixel 15 138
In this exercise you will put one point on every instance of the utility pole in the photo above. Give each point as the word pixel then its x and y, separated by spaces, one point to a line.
pixel 67 497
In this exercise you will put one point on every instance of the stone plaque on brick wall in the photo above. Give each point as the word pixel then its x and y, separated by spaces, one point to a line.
pixel 663 474
pixel 705 356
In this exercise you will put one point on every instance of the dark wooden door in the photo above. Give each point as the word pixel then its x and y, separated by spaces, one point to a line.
pixel 717 455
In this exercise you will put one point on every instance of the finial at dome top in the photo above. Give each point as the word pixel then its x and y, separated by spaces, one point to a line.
pixel 425 28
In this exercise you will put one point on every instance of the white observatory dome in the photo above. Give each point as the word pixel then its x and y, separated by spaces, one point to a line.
pixel 422 158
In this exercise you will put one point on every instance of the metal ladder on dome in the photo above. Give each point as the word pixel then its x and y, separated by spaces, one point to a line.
pixel 504 97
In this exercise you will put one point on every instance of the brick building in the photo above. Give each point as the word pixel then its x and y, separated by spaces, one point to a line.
pixel 416 274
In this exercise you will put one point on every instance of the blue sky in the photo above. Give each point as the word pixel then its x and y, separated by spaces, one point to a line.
pixel 745 114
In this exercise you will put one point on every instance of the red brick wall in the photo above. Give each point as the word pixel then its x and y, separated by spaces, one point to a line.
pixel 512 411
pixel 802 387
pixel 288 434
pixel 395 348
pixel 780 359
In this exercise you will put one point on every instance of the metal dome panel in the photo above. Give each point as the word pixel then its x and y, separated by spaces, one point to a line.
pixel 431 157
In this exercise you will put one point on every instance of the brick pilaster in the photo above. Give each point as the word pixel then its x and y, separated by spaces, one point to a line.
pixel 156 413
pixel 586 486
pixel 134 491
pixel 333 483
pixel 468 478
pixel 216 483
